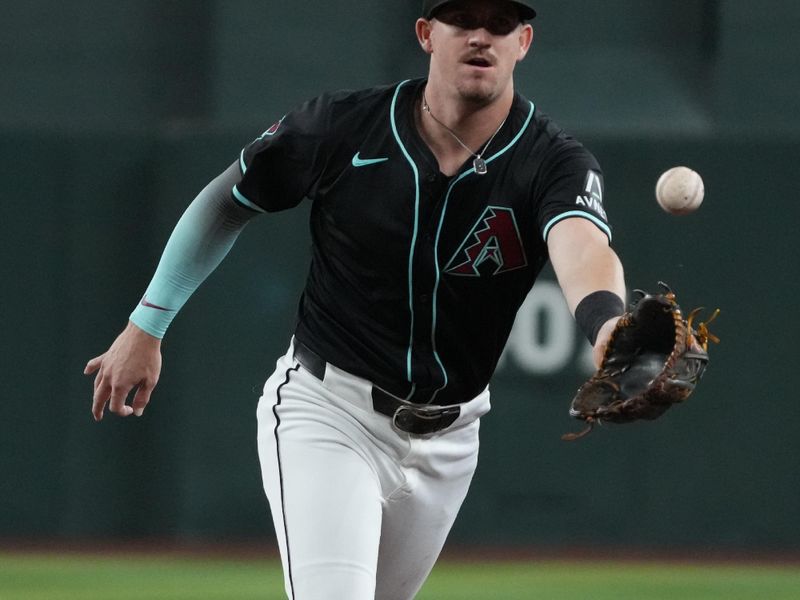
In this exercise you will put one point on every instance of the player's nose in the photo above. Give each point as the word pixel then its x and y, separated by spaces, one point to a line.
pixel 480 38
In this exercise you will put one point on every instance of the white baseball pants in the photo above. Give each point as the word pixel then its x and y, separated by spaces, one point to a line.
pixel 361 510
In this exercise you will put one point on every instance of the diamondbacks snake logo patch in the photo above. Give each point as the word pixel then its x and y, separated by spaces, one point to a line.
pixel 493 246
pixel 273 128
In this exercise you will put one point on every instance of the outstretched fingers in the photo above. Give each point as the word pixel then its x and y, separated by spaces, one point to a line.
pixel 115 398
pixel 93 365
pixel 132 361
pixel 102 392
pixel 107 391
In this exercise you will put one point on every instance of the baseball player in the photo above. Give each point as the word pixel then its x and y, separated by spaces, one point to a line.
pixel 435 204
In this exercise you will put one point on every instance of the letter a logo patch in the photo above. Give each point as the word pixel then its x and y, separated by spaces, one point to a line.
pixel 493 246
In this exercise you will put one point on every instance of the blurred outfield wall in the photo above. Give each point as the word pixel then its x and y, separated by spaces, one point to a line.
pixel 113 117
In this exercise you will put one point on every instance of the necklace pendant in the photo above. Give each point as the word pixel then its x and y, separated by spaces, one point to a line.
pixel 480 166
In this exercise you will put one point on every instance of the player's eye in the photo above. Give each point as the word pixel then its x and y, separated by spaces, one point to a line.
pixel 496 25
pixel 502 25
pixel 463 21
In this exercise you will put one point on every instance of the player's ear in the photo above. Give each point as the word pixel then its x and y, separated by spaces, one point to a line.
pixel 525 40
pixel 423 28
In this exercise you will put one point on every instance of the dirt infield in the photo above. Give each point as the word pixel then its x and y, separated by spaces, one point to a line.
pixel 267 549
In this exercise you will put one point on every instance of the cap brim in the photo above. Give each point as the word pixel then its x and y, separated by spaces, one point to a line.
pixel 526 12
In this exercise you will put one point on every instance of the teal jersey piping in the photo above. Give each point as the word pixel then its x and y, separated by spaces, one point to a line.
pixel 241 199
pixel 238 196
pixel 576 213
pixel 438 234
pixel 516 137
pixel 415 232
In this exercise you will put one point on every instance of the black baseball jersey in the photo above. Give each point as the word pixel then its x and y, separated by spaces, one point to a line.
pixel 416 277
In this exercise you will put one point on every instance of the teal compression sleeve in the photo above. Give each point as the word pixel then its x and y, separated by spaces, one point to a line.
pixel 201 239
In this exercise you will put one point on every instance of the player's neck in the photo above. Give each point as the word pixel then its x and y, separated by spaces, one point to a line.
pixel 471 119
pixel 445 120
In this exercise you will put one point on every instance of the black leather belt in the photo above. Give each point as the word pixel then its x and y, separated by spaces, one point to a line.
pixel 418 419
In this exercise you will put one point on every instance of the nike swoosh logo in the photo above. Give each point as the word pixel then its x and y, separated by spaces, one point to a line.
pixel 144 302
pixel 363 162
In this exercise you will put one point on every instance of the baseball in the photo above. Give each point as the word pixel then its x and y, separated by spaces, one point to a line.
pixel 680 190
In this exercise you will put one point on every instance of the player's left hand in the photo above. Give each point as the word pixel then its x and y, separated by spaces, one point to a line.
pixel 654 358
pixel 603 336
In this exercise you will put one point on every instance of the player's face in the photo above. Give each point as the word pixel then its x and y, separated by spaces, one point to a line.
pixel 474 47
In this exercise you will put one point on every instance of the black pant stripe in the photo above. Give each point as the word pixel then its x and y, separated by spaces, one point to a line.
pixel 280 478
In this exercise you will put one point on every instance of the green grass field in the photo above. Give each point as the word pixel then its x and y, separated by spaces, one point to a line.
pixel 91 577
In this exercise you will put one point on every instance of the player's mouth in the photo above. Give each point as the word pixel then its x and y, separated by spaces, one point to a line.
pixel 479 62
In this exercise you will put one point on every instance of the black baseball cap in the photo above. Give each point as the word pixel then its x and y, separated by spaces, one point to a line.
pixel 430 6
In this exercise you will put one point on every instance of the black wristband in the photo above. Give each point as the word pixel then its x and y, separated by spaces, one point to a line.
pixel 595 309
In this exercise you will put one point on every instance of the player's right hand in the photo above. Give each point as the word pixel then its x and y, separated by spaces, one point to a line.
pixel 132 361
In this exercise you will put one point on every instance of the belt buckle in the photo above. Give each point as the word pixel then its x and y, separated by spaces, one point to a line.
pixel 424 419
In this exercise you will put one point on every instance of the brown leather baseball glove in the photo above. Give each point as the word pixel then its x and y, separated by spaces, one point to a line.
pixel 654 359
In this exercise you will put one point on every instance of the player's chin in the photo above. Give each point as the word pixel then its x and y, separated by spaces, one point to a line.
pixel 478 91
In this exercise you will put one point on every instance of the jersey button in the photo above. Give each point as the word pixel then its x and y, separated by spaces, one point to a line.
pixel 425 298
pixel 430 177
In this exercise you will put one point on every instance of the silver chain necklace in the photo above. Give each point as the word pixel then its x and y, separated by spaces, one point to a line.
pixel 478 164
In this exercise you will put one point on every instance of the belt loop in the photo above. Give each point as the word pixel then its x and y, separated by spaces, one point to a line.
pixel 310 360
